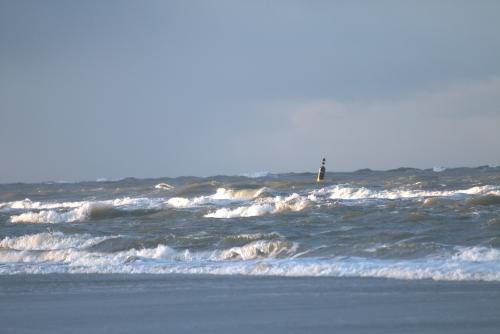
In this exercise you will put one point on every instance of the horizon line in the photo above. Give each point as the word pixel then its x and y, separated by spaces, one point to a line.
pixel 246 174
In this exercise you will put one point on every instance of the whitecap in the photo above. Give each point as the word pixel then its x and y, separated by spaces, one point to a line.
pixel 53 213
pixel 53 216
pixel 263 206
pixel 261 257
pixel 477 254
pixel 221 196
pixel 255 175
pixel 164 186
pixel 341 192
pixel 438 169
pixel 258 249
pixel 51 241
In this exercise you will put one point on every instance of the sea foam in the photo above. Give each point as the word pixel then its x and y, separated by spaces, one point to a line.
pixel 80 211
pixel 60 253
pixel 255 175
pixel 221 196
pixel 264 206
pixel 164 186
pixel 342 192
pixel 51 241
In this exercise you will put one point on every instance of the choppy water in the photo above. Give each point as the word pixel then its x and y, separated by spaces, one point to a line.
pixel 404 223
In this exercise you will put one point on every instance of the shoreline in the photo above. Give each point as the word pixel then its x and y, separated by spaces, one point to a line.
pixel 99 303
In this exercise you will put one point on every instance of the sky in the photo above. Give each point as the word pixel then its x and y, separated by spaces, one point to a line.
pixel 111 89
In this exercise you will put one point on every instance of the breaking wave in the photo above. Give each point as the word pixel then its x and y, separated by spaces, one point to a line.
pixel 278 204
pixel 72 252
pixel 406 224
pixel 252 236
pixel 28 204
pixel 54 217
pixel 80 211
pixel 438 169
pixel 258 249
pixel 60 253
pixel 51 241
pixel 339 192
pixel 164 186
pixel 255 175
pixel 222 195
pixel 253 202
pixel 477 254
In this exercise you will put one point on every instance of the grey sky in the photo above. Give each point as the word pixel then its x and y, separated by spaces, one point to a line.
pixel 93 89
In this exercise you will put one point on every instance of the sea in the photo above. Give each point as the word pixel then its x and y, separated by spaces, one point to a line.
pixel 408 224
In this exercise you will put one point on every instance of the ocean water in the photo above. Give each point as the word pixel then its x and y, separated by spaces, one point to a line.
pixel 440 224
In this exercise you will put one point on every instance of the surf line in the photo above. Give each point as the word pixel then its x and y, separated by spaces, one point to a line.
pixel 321 171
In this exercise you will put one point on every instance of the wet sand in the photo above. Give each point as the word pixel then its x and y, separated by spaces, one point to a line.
pixel 234 304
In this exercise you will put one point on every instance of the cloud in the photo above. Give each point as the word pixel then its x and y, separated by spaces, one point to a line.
pixel 453 125
pixel 474 99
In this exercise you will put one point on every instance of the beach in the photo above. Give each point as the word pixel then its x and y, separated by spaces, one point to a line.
pixel 228 304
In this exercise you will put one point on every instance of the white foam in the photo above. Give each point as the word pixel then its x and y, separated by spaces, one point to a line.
pixel 477 254
pixel 105 179
pixel 258 249
pixel 264 206
pixel 80 211
pixel 261 257
pixel 481 190
pixel 164 186
pixel 254 175
pixel 221 196
pixel 138 203
pixel 182 202
pixel 244 194
pixel 28 204
pixel 48 249
pixel 50 241
pixel 254 236
pixel 340 192
pixel 53 216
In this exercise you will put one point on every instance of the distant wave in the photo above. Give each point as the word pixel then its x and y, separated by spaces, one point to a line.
pixel 104 179
pixel 438 169
pixel 164 186
pixel 265 174
pixel 255 175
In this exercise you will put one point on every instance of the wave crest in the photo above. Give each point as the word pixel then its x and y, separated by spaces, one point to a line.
pixel 340 192
pixel 222 195
pixel 82 211
pixel 477 254
pixel 59 253
pixel 27 204
pixel 51 241
pixel 278 204
pixel 258 249
pixel 54 217
pixel 164 186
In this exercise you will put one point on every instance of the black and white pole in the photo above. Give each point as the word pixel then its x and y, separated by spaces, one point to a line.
pixel 322 171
